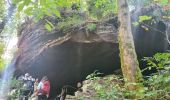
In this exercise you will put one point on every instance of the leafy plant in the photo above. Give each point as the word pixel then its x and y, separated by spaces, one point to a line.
pixel 162 2
pixel 91 26
pixel 49 26
pixel 2 10
pixel 15 89
pixel 74 20
pixel 103 88
pixel 158 86
pixel 94 75
pixel 159 61
pixel 144 18
pixel 99 8
pixel 39 9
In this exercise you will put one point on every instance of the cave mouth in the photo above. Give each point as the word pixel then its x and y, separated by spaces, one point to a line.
pixel 71 62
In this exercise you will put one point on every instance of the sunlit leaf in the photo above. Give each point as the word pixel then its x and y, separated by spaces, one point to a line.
pixel 49 23
pixel 144 18
pixel 42 2
pixel 57 13
pixel 20 6
pixel 48 27
pixel 29 10
pixel 164 2
pixel 135 23
pixel 27 2
pixel 16 1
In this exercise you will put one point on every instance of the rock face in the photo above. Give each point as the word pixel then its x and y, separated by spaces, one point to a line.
pixel 150 36
pixel 68 57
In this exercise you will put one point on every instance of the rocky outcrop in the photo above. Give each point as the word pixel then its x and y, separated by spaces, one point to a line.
pixel 68 57
pixel 150 36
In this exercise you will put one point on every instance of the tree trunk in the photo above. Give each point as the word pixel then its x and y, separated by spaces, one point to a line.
pixel 129 64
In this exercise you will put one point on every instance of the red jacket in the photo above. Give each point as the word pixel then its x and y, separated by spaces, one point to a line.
pixel 44 87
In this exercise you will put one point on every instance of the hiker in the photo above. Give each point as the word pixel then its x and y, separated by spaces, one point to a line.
pixel 31 80
pixel 34 95
pixel 43 89
pixel 36 84
pixel 27 87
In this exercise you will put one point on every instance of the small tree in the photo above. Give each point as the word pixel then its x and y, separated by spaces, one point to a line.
pixel 129 63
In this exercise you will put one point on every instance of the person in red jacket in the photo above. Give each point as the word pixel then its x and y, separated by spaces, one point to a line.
pixel 43 89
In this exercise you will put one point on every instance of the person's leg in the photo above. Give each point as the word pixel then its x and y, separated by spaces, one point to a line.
pixel 21 96
pixel 26 98
pixel 44 97
pixel 58 98
pixel 39 97
pixel 25 93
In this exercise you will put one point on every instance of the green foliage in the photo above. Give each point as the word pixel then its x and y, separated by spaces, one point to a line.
pixel 40 8
pixel 70 22
pixel 138 3
pixel 2 10
pixel 91 26
pixel 156 86
pixel 158 83
pixel 135 23
pixel 101 8
pixel 49 26
pixel 144 18
pixel 159 61
pixel 106 88
pixel 15 88
pixel 94 75
pixel 16 84
pixel 162 2
pixel 105 91
pixel 52 7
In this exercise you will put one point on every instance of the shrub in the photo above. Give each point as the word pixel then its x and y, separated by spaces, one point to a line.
pixel 156 86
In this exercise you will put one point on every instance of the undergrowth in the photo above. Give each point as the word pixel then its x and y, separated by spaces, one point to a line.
pixel 156 85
